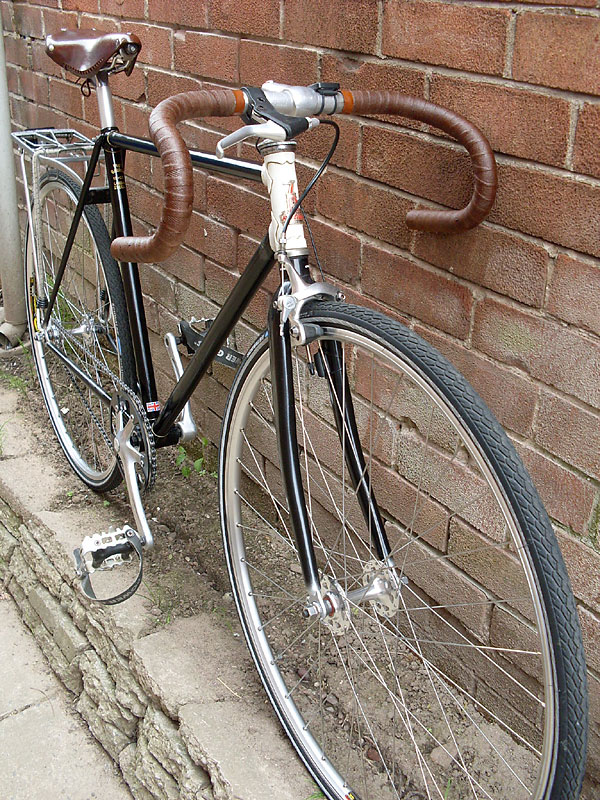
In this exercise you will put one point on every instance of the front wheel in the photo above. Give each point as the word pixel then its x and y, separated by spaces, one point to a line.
pixel 454 668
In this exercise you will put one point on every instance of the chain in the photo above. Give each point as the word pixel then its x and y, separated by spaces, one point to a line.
pixel 144 423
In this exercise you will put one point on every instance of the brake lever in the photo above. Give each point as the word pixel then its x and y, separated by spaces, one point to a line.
pixel 266 130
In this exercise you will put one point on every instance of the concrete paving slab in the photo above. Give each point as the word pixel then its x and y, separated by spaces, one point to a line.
pixel 25 677
pixel 245 754
pixel 47 751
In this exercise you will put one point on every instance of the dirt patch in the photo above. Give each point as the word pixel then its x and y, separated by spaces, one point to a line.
pixel 185 573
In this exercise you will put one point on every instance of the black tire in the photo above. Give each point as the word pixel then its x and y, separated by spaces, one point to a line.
pixel 477 687
pixel 89 317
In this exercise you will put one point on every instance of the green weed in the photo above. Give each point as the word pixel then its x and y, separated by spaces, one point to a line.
pixel 187 464
pixel 13 382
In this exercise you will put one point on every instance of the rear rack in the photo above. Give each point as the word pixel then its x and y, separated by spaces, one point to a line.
pixel 63 147
pixel 60 144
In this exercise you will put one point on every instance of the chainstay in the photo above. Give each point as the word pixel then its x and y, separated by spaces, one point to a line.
pixel 131 396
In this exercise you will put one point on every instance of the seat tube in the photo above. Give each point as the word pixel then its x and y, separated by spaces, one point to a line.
pixel 115 174
pixel 105 103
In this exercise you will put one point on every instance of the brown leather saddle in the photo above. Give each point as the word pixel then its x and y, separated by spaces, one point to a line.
pixel 87 52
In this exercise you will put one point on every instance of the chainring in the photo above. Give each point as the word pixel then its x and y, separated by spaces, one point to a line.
pixel 123 407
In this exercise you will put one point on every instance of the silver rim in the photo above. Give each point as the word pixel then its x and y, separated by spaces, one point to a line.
pixel 442 686
pixel 83 328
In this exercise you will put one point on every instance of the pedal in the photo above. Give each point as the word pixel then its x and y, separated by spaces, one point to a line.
pixel 192 338
pixel 185 421
pixel 105 551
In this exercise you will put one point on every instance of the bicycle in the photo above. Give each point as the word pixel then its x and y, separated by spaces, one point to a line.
pixel 398 581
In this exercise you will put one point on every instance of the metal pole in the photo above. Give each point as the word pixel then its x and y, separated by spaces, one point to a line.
pixel 12 314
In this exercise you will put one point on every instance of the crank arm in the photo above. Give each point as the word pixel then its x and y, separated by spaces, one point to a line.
pixel 128 458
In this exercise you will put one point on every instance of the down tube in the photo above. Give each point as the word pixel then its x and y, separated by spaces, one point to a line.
pixel 257 270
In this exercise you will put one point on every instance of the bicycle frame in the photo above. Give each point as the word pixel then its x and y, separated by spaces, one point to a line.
pixel 114 146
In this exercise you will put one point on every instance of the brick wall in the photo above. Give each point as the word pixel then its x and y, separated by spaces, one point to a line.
pixel 514 303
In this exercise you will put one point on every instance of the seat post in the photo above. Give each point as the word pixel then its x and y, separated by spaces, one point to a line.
pixel 105 102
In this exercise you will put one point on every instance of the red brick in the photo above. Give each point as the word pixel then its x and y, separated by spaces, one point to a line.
pixel 578 3
pixel 186 266
pixel 66 98
pixel 41 62
pixel 566 497
pixel 561 50
pixel 156 43
pixel 213 239
pixel 28 20
pixel 374 210
pixel 218 282
pixel 139 167
pixel 133 9
pixel 34 87
pixel 159 286
pixel 165 84
pixel 516 129
pixel 12 78
pixel 245 16
pixel 416 291
pixel 490 257
pixel 129 87
pixel 464 37
pixel 557 355
pixel 55 20
pixel 511 398
pixel 207 54
pixel 16 51
pixel 352 73
pixel 583 566
pixel 317 142
pixel 557 208
pixel 338 251
pixel 192 13
pixel 586 156
pixel 422 167
pixel 590 630
pixel 344 25
pixel 575 292
pixel 569 432
pixel 98 23
pixel 237 206
pixel 261 62
pixel 136 120
pixel 6 8
pixel 91 6
pixel 494 568
pixel 145 204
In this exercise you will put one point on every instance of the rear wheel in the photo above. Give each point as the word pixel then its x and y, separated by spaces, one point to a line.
pixel 456 670
pixel 86 342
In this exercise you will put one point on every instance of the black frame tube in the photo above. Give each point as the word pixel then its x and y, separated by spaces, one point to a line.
pixel 242 293
pixel 282 383
pixel 341 398
pixel 223 166
pixel 115 174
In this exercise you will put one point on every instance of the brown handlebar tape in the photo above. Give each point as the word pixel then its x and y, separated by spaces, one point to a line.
pixel 177 166
pixel 178 177
pixel 482 157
